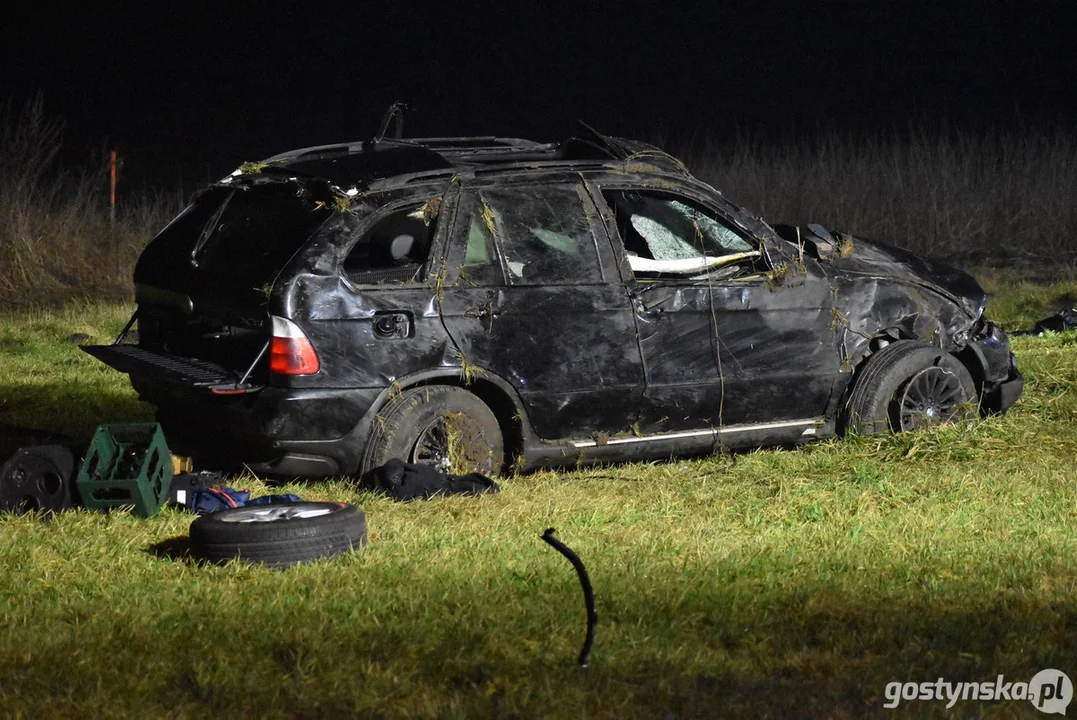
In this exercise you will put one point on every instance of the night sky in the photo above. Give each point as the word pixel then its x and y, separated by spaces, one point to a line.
pixel 193 90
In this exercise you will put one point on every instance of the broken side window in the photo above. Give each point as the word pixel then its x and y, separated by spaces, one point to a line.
pixel 543 232
pixel 480 265
pixel 671 236
pixel 394 249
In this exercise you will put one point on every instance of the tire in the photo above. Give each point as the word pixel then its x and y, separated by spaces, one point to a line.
pixel 439 425
pixel 909 385
pixel 278 534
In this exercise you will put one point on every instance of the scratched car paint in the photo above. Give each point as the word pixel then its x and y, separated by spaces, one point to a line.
pixel 488 303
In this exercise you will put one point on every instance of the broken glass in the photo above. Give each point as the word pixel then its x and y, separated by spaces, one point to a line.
pixel 394 248
pixel 543 233
pixel 663 235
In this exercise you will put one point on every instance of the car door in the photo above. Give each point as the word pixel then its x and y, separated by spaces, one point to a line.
pixel 729 335
pixel 532 295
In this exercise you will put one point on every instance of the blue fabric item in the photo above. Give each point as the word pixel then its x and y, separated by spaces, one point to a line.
pixel 213 499
pixel 274 499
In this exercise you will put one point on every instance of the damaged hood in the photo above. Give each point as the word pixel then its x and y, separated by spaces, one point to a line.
pixel 853 255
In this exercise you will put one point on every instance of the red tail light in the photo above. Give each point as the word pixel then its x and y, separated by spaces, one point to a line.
pixel 290 352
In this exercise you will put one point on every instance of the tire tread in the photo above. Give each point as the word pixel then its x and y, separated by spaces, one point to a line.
pixel 280 543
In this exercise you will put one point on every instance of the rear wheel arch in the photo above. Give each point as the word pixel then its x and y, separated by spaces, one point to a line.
pixel 491 390
pixel 501 400
pixel 444 426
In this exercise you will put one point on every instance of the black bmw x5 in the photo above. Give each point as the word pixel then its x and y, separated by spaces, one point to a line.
pixel 490 303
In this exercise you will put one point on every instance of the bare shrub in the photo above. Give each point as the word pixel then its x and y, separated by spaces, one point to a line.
pixel 55 235
pixel 997 196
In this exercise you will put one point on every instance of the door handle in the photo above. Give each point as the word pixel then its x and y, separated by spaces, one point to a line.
pixel 640 308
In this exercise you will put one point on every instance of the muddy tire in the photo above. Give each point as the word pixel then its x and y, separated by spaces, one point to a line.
pixel 279 534
pixel 909 385
pixel 439 425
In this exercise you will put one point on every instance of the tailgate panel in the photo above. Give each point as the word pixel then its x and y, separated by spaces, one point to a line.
pixel 136 360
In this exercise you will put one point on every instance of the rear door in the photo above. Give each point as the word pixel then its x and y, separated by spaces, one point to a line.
pixel 532 295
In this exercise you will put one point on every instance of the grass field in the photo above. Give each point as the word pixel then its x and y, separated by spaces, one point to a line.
pixel 780 583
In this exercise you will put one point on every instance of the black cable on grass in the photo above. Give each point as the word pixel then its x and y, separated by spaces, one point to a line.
pixel 588 594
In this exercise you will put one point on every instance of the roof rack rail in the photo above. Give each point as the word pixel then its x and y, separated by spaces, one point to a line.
pixel 470 141
pixel 543 166
pixel 483 150
pixel 478 147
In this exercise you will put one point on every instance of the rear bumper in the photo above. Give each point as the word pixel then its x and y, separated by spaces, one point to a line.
pixel 275 431
pixel 225 422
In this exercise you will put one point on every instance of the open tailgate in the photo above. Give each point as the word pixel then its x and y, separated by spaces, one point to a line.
pixel 192 372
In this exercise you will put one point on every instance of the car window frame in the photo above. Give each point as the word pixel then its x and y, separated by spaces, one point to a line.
pixel 435 255
pixel 457 239
pixel 597 187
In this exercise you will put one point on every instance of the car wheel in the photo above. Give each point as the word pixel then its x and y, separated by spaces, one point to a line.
pixel 444 426
pixel 910 385
pixel 278 534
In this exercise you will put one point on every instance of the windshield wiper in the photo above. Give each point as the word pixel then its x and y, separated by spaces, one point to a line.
pixel 208 229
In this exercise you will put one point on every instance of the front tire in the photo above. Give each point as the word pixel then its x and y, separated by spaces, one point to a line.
pixel 909 385
pixel 444 426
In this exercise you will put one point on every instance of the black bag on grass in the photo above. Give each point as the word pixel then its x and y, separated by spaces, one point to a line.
pixel 408 481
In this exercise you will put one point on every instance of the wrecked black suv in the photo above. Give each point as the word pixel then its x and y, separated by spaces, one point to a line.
pixel 490 303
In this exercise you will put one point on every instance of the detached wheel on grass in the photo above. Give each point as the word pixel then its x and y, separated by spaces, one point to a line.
pixel 279 534
pixel 909 385
pixel 443 426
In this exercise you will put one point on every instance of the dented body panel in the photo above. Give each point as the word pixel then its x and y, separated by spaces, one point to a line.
pixel 604 304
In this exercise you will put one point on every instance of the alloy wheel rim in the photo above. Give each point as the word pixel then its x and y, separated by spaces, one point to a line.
pixel 275 513
pixel 931 397
pixel 432 446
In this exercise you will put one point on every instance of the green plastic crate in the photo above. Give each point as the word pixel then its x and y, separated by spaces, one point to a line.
pixel 126 464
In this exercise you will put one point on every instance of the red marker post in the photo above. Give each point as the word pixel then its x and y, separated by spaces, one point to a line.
pixel 112 187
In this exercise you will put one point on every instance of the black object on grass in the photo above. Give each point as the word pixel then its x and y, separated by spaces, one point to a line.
pixel 36 478
pixel 1064 319
pixel 418 481
pixel 588 593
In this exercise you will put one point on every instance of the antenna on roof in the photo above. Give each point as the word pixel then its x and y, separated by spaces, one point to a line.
pixel 395 111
